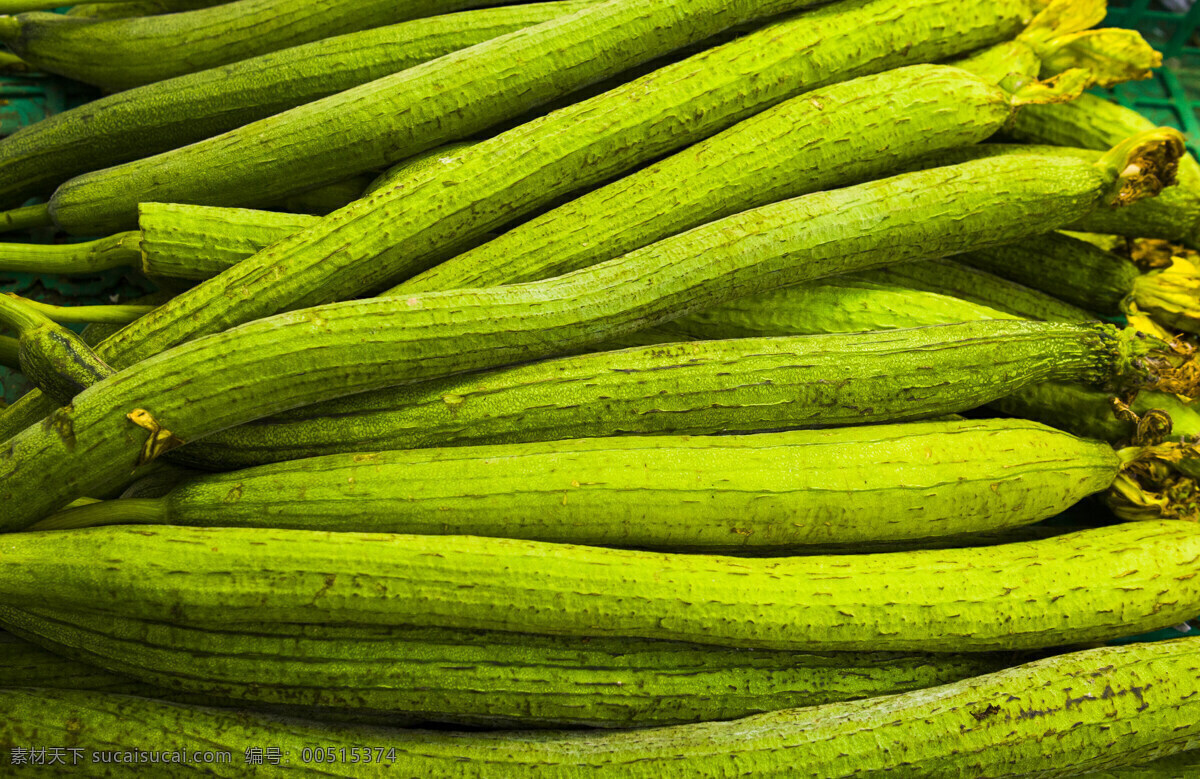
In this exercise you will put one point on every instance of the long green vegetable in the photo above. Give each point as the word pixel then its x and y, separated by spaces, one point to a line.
pixel 394 117
pixel 122 53
pixel 849 132
pixel 9 351
pixel 493 679
pixel 189 108
pixel 1093 710
pixel 398 231
pixel 114 9
pixel 1092 585
pixel 742 385
pixel 779 490
pixel 23 664
pixel 306 356
pixel 1088 276
pixel 868 301
pixel 1096 123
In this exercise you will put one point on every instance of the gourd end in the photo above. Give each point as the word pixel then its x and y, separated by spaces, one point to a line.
pixel 1143 165
pixel 1158 482
pixel 1062 88
pixel 1150 360
pixel 1172 295
pixel 1110 56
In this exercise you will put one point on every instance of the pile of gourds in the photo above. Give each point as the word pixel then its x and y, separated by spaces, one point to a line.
pixel 601 388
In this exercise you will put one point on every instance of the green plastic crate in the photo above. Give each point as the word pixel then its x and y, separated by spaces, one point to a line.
pixel 1172 97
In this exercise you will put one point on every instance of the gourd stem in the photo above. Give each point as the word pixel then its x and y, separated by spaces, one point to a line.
pixel 107 315
pixel 11 63
pixel 114 251
pixel 25 217
pixel 9 349
pixel 17 315
pixel 131 511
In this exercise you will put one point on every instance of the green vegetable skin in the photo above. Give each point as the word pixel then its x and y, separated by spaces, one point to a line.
pixel 23 664
pixel 120 10
pixel 845 304
pixel 189 108
pixel 397 231
pixel 1095 123
pixel 491 679
pixel 849 132
pixel 394 117
pixel 122 53
pixel 1092 585
pixel 1152 217
pixel 1091 277
pixel 728 492
pixel 9 350
pixel 306 356
pixel 1079 272
pixel 1097 709
pixel 959 280
pixel 49 353
pixel 742 385
pixel 1178 766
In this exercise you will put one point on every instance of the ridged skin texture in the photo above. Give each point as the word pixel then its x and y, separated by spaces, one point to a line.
pixel 395 233
pixel 1075 270
pixel 856 302
pixel 175 112
pixel 1093 585
pixel 865 484
pixel 198 242
pixel 1095 123
pixel 23 664
pixel 957 278
pixel 303 357
pixel 1063 716
pixel 839 135
pixel 123 53
pixel 842 305
pixel 123 10
pixel 386 120
pixel 742 385
pixel 111 10
pixel 491 678
pixel 1179 766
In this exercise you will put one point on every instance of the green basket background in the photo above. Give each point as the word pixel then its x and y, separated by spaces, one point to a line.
pixel 1172 97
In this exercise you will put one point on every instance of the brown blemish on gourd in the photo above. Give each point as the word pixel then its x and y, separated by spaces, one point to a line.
pixel 160 441
pixel 62 424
